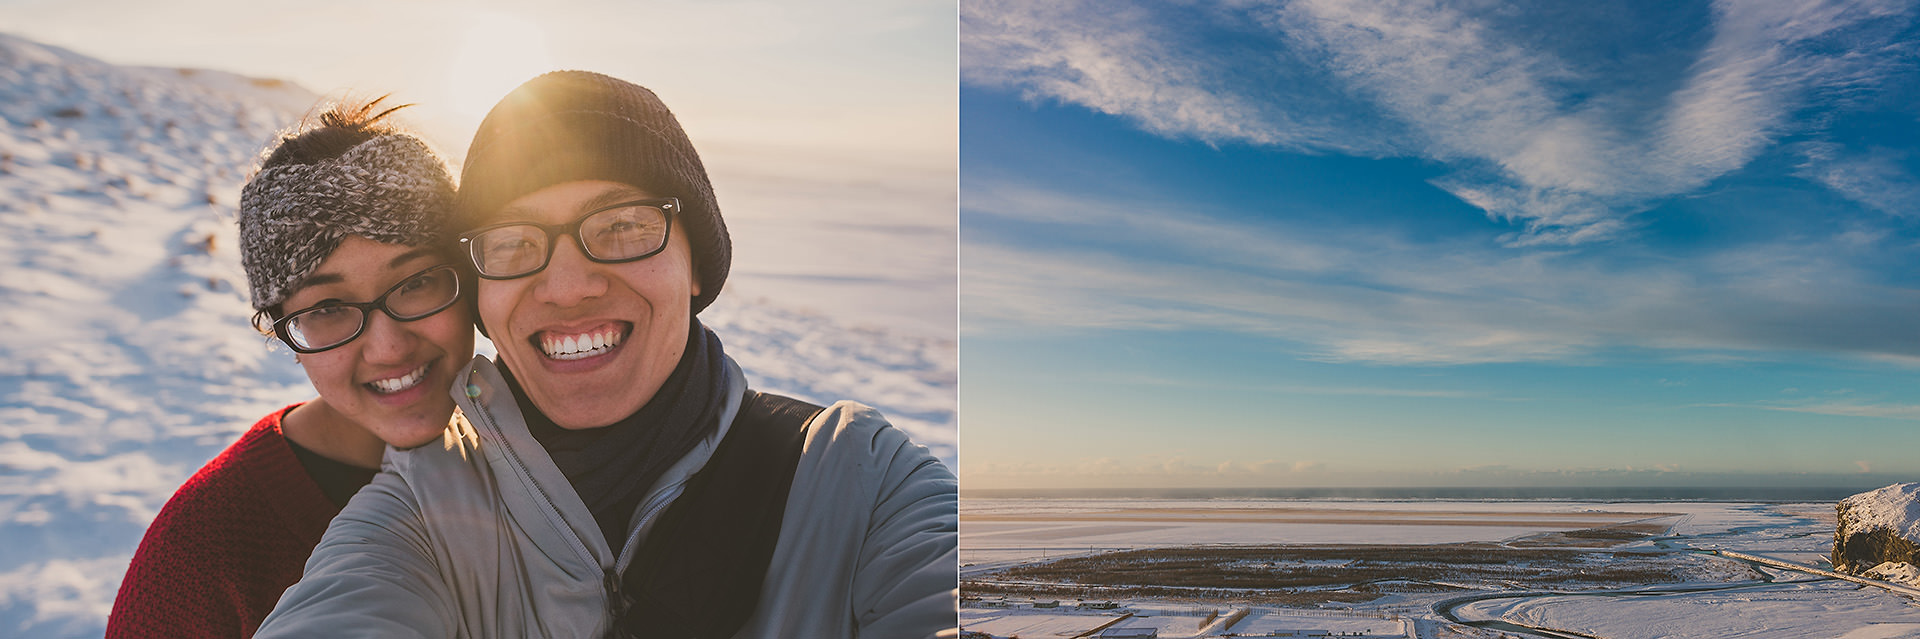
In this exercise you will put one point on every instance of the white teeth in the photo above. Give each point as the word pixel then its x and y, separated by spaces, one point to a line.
pixel 579 346
pixel 403 382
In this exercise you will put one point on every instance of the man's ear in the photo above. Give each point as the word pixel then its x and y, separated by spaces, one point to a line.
pixel 693 270
pixel 470 291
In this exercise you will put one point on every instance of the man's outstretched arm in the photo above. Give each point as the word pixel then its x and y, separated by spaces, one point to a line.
pixel 373 575
pixel 906 584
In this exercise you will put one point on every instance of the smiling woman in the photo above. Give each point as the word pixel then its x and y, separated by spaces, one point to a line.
pixel 496 52
pixel 127 362
pixel 340 238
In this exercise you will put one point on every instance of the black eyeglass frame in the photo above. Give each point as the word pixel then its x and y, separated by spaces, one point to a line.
pixel 281 331
pixel 669 207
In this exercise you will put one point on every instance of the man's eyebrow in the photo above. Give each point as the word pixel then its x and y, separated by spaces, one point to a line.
pixel 611 197
pixel 513 213
pixel 608 197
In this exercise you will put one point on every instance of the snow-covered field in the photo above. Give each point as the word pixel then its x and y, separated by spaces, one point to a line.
pixel 1002 530
pixel 125 356
pixel 1716 597
pixel 1788 611
pixel 1172 622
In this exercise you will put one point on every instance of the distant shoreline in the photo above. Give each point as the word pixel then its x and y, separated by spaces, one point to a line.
pixel 1531 493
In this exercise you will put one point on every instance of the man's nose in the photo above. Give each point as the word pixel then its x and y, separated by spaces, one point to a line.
pixel 570 278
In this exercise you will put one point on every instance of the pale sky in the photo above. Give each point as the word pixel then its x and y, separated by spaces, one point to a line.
pixel 843 74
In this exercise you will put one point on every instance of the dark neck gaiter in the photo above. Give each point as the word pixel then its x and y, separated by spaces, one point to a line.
pixel 611 467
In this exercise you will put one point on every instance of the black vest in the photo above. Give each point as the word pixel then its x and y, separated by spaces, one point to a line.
pixel 699 571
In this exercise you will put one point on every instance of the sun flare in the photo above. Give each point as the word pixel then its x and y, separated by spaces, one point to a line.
pixel 497 52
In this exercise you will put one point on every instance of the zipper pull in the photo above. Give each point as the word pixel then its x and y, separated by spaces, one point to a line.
pixel 616 600
pixel 617 604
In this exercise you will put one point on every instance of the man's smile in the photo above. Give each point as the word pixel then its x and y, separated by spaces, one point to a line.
pixel 572 345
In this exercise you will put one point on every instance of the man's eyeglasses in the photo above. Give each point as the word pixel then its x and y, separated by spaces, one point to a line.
pixel 623 232
pixel 332 323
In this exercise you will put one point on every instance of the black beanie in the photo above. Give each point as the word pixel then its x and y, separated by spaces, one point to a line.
pixel 566 126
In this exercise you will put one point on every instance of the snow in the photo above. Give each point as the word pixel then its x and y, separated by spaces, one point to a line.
pixel 1899 572
pixel 126 358
pixel 1895 508
pixel 1732 603
pixel 1825 609
pixel 1022 620
pixel 1000 530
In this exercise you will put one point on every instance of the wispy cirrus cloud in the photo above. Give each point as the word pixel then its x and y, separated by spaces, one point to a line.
pixel 1877 178
pixel 1129 61
pixel 1383 299
pixel 1189 471
pixel 1569 150
pixel 1299 389
pixel 1152 470
pixel 1841 408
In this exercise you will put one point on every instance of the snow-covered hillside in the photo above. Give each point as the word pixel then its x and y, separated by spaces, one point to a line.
pixel 125 356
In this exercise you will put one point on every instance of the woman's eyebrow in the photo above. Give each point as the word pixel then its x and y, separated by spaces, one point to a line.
pixel 409 256
pixel 317 279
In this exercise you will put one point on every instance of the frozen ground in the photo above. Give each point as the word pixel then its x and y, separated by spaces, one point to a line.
pixel 125 357
pixel 1788 611
pixel 1021 619
pixel 1716 597
pixel 1001 530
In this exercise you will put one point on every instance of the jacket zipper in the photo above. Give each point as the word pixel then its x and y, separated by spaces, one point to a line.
pixel 633 536
pixel 615 595
pixel 548 509
pixel 616 598
pixel 660 506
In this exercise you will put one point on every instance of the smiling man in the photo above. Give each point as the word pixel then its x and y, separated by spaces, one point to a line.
pixel 620 478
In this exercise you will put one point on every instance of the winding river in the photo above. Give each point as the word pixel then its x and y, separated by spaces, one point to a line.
pixel 1447 609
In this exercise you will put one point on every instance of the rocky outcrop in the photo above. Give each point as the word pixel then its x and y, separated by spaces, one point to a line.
pixel 1878 527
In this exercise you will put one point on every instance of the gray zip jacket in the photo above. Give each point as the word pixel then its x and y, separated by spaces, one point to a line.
pixel 484 537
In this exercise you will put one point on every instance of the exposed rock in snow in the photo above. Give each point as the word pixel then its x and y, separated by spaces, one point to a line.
pixel 1878 527
pixel 1896 572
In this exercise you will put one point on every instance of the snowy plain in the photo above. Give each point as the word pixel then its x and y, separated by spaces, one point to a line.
pixel 126 360
pixel 1721 597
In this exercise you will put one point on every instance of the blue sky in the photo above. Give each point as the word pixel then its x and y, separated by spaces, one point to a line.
pixel 1425 243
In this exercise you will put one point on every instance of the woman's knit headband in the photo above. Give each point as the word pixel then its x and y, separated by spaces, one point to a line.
pixel 391 188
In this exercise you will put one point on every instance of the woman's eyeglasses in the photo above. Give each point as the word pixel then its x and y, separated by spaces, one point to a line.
pixel 333 323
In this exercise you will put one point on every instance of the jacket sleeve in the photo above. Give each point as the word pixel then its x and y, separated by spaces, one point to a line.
pixel 907 581
pixel 373 575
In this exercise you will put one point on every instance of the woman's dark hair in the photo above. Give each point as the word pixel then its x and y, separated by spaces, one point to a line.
pixel 343 125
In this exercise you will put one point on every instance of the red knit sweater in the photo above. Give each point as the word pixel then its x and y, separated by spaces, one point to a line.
pixel 226 545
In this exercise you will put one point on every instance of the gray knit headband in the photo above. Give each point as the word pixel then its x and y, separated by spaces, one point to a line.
pixel 391 188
